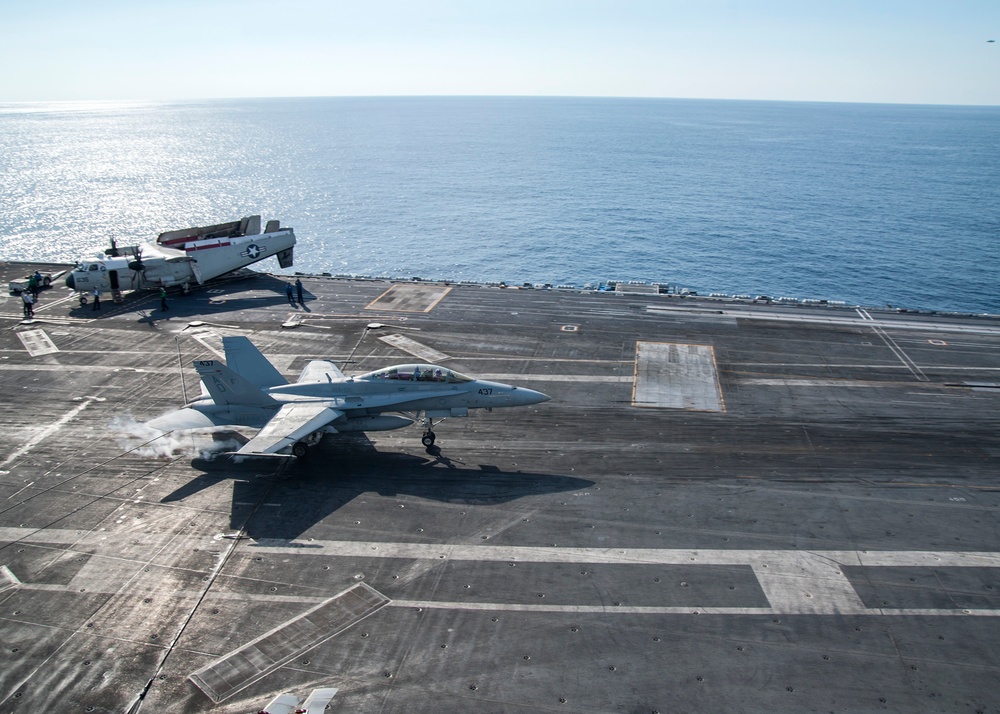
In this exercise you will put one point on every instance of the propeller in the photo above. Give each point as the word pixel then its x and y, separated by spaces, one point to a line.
pixel 137 264
pixel 137 267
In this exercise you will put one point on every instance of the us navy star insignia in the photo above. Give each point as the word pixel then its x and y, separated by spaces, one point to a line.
pixel 253 251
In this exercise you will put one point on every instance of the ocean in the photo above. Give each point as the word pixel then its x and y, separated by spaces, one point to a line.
pixel 866 204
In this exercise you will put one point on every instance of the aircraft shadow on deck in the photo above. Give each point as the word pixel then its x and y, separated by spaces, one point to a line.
pixel 147 302
pixel 340 469
pixel 226 300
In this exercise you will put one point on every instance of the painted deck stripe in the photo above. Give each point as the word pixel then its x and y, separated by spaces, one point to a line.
pixel 625 556
pixel 913 326
pixel 794 581
pixel 255 660
pixel 653 610
pixel 671 375
pixel 37 342
pixel 418 350
pixel 46 432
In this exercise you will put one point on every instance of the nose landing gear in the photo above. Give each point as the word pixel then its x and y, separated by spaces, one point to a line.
pixel 429 436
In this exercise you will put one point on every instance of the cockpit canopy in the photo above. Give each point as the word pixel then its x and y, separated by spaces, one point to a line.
pixel 417 373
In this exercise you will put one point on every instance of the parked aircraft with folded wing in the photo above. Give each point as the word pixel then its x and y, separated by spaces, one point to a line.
pixel 248 391
pixel 184 257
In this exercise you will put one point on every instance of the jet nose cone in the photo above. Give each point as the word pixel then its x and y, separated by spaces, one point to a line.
pixel 70 282
pixel 530 396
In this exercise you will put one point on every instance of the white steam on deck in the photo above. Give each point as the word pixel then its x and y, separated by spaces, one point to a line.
pixel 136 438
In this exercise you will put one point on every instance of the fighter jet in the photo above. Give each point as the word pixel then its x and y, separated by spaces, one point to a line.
pixel 184 257
pixel 248 391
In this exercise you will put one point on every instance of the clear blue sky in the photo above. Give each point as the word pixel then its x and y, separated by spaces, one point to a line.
pixel 913 51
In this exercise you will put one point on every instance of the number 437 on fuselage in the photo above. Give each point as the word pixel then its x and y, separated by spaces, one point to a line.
pixel 248 391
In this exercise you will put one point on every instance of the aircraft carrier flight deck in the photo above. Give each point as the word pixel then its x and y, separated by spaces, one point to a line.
pixel 724 507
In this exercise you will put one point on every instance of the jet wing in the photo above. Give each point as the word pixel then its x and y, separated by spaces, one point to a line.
pixel 169 255
pixel 318 369
pixel 292 422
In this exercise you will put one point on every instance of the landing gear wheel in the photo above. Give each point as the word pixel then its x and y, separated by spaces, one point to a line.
pixel 428 438
pixel 300 449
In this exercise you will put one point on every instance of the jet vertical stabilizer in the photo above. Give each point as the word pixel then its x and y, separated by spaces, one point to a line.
pixel 227 387
pixel 250 226
pixel 243 357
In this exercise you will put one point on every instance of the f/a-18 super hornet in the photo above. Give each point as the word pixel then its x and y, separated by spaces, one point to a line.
pixel 248 391
pixel 184 257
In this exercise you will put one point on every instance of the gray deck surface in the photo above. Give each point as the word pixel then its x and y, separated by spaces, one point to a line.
pixel 793 509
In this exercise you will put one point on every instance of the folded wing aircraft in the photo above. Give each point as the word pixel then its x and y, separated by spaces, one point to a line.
pixel 248 391
pixel 185 257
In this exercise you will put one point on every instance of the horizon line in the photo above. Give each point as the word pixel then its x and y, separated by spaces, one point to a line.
pixel 149 100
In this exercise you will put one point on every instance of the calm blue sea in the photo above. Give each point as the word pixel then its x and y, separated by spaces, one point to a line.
pixel 869 204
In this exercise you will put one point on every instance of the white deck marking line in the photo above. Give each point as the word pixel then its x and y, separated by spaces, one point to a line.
pixel 67 369
pixel 891 344
pixel 794 582
pixel 49 304
pixel 855 365
pixel 558 609
pixel 825 383
pixel 534 554
pixel 515 378
pixel 625 556
pixel 405 344
pixel 852 383
pixel 693 610
pixel 205 338
pixel 47 432
pixel 49 319
pixel 913 326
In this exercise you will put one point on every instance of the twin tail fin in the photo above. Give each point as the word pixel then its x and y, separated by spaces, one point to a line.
pixel 227 387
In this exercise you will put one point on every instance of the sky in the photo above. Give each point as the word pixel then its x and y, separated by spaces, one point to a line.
pixel 884 51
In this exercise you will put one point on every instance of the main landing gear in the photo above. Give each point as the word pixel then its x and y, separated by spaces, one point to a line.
pixel 304 446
